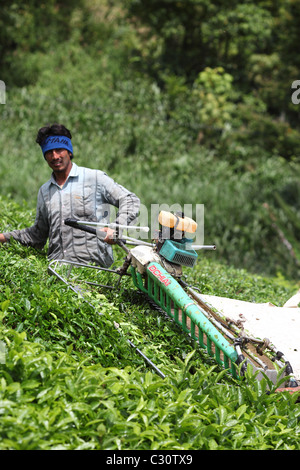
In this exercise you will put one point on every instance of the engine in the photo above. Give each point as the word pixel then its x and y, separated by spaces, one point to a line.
pixel 175 236
pixel 173 245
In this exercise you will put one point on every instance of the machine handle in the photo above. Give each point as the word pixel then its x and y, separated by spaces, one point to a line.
pixel 101 234
pixel 74 223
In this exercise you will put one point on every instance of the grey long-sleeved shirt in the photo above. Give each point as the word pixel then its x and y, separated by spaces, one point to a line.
pixel 87 195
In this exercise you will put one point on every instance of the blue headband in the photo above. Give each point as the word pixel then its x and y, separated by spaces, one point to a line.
pixel 57 142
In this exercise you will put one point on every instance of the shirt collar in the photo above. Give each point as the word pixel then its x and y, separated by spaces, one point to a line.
pixel 73 173
pixel 74 170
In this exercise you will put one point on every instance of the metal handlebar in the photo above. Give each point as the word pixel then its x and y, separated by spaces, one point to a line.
pixel 75 224
pixel 101 234
pixel 110 225
pixel 86 228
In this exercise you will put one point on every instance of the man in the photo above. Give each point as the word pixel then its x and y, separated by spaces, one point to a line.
pixel 74 192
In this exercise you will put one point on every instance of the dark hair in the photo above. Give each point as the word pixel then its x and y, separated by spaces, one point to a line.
pixel 54 129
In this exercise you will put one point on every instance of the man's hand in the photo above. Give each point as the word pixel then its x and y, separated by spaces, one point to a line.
pixel 109 235
pixel 2 238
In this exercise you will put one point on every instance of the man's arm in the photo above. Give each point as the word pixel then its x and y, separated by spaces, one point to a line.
pixel 37 234
pixel 128 203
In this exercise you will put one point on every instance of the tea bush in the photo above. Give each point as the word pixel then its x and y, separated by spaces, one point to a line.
pixel 69 379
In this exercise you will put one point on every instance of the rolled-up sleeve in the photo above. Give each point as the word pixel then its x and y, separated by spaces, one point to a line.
pixel 36 235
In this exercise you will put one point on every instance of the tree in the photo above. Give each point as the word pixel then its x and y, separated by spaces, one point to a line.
pixel 199 33
pixel 28 27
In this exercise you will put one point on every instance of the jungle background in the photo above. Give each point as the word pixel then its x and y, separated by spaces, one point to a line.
pixel 186 102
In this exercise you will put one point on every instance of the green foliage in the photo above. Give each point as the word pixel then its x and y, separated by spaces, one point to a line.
pixel 30 27
pixel 195 34
pixel 213 276
pixel 70 381
pixel 132 124
pixel 211 99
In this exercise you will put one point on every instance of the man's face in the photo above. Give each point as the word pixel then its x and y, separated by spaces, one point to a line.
pixel 58 159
